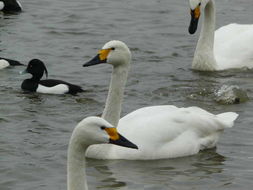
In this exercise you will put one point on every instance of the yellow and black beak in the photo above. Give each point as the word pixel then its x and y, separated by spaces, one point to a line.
pixel 101 57
pixel 195 14
pixel 117 139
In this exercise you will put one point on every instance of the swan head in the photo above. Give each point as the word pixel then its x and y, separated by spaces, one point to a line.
pixel 195 6
pixel 113 52
pixel 96 130
pixel 195 11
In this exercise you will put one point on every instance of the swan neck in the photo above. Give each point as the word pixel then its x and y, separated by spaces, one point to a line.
pixel 114 100
pixel 204 51
pixel 76 179
pixel 207 32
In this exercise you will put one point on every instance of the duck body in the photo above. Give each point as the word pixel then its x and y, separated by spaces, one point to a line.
pixel 48 86
pixel 159 131
pixel 229 47
pixel 166 132
pixel 4 62
pixel 10 6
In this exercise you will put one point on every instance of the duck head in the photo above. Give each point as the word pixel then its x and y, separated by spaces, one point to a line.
pixel 36 68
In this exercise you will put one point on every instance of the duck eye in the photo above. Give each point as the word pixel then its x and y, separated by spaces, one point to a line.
pixel 113 48
pixel 102 128
pixel 199 4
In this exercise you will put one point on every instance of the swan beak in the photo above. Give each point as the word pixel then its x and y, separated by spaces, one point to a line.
pixel 101 57
pixel 118 139
pixel 195 14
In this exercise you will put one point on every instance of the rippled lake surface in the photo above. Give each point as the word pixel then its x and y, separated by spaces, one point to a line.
pixel 35 128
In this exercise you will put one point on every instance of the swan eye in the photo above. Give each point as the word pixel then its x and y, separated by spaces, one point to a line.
pixel 113 48
pixel 199 4
pixel 102 128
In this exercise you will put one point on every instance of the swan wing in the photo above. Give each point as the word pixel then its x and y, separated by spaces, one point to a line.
pixel 233 46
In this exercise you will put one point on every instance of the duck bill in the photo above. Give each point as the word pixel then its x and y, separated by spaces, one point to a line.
pixel 122 141
pixel 94 61
pixel 23 72
pixel 195 14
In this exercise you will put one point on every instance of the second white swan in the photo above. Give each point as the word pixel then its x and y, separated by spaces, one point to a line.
pixel 158 131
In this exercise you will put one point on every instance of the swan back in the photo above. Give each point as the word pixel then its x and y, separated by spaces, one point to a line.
pixel 233 46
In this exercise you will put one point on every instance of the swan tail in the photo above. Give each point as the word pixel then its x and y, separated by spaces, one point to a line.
pixel 228 118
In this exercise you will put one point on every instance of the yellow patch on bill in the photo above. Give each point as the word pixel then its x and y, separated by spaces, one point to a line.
pixel 112 132
pixel 197 12
pixel 103 53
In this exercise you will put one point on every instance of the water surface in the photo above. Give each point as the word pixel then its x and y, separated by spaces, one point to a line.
pixel 35 128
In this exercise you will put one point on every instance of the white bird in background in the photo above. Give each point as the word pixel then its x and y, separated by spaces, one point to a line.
pixel 229 47
pixel 159 131
pixel 4 63
pixel 10 6
pixel 92 130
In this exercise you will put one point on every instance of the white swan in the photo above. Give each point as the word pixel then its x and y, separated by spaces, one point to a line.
pixel 226 48
pixel 92 130
pixel 158 131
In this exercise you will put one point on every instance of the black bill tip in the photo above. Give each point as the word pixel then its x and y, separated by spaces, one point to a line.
pixel 193 24
pixel 95 61
pixel 122 141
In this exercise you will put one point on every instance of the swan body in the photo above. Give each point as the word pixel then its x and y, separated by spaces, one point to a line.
pixel 167 132
pixel 91 130
pixel 229 47
pixel 159 131
pixel 48 86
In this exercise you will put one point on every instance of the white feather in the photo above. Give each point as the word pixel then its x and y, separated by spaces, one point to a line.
pixel 233 46
pixel 1 5
pixel 194 3
pixel 4 64
pixel 58 89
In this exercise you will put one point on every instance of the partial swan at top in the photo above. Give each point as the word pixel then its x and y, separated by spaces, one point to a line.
pixel 229 47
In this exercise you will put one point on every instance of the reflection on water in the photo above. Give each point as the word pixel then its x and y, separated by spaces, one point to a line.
pixel 170 172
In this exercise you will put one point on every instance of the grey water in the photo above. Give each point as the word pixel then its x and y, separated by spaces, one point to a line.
pixel 35 128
